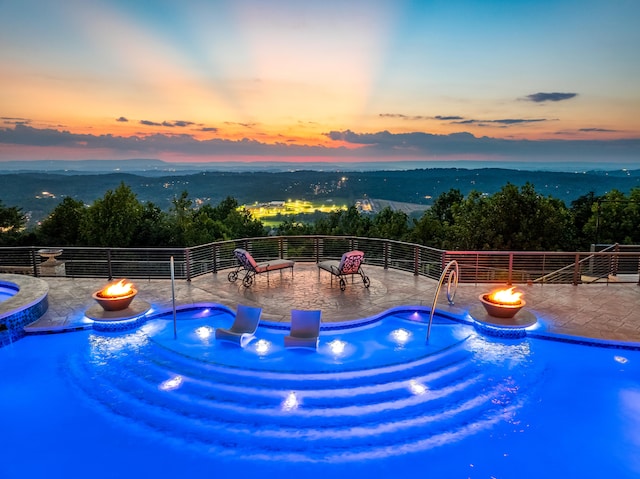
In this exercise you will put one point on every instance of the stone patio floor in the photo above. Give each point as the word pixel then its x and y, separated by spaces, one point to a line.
pixel 602 311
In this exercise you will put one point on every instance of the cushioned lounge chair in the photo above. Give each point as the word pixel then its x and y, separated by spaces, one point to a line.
pixel 349 264
pixel 250 268
pixel 305 329
pixel 244 326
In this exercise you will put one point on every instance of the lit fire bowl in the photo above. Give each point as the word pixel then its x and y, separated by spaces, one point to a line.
pixel 115 297
pixel 501 310
pixel 116 309
pixel 502 314
pixel 114 303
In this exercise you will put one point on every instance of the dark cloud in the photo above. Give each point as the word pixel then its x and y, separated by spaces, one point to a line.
pixel 149 123
pixel 378 145
pixel 402 117
pixel 542 97
pixel 246 125
pixel 15 121
pixel 182 123
pixel 209 128
pixel 504 121
pixel 448 118
pixel 599 130
pixel 122 119
pixel 422 145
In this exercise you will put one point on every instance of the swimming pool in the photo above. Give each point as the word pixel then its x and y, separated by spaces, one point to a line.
pixel 373 401
pixel 7 290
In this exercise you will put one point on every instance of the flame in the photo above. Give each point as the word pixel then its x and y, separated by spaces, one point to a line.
pixel 116 290
pixel 505 296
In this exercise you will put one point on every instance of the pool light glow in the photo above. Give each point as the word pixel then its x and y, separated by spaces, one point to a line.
pixel 204 332
pixel 170 384
pixel 400 336
pixel 291 402
pixel 337 346
pixel 417 388
pixel 263 346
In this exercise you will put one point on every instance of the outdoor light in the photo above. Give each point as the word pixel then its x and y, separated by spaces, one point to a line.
pixel 290 402
pixel 172 383
pixel 204 332
pixel 263 346
pixel 400 336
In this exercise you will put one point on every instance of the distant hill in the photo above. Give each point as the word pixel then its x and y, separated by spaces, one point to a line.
pixel 420 186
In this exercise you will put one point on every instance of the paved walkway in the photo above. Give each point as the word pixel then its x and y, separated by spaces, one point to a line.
pixel 610 312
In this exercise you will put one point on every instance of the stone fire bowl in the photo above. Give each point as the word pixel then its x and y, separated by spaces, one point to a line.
pixel 501 310
pixel 115 303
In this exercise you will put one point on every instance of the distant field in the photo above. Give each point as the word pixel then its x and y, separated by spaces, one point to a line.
pixel 272 213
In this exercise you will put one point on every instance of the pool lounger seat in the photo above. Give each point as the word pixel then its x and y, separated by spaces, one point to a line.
pixel 349 264
pixel 250 268
pixel 305 329
pixel 244 326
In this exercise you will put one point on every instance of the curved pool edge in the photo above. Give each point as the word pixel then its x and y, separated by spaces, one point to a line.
pixel 26 306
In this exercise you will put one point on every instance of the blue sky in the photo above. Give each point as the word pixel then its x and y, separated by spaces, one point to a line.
pixel 526 81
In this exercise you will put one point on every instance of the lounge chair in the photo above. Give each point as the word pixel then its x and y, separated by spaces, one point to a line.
pixel 244 326
pixel 350 264
pixel 305 329
pixel 250 268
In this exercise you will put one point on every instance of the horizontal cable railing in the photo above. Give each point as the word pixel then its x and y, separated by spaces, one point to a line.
pixel 619 264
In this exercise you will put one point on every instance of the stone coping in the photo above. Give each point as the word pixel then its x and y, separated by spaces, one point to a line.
pixel 30 292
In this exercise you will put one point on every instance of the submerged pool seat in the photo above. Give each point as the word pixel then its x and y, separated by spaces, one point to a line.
pixel 250 268
pixel 349 264
pixel 305 329
pixel 244 326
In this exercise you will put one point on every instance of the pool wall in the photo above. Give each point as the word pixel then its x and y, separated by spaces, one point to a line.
pixel 29 303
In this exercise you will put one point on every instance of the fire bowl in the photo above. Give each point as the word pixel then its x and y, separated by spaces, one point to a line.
pixel 114 303
pixel 500 310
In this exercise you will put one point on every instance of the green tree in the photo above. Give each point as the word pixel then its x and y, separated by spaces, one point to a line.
pixel 390 224
pixel 112 220
pixel 62 226
pixel 12 224
pixel 615 218
pixel 154 228
pixel 347 222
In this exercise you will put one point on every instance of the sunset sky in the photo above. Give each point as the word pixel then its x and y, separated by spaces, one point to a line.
pixel 276 80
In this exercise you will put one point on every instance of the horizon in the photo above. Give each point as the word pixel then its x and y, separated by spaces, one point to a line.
pixel 248 84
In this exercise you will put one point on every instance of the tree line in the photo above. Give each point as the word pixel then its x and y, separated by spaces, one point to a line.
pixel 514 218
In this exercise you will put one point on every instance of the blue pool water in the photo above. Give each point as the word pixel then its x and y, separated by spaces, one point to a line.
pixel 7 291
pixel 373 401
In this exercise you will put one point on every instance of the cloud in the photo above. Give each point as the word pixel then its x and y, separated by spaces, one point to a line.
pixel 542 97
pixel 8 120
pixel 448 118
pixel 182 123
pixel 209 128
pixel 150 123
pixel 503 121
pixel 403 117
pixel 422 145
pixel 597 130
pixel 122 119
pixel 348 145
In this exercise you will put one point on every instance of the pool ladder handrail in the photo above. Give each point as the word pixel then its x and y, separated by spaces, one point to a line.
pixel 452 269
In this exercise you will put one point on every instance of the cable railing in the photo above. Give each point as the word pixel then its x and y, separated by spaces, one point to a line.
pixel 616 264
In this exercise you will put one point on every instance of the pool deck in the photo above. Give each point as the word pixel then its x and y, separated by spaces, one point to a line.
pixel 608 312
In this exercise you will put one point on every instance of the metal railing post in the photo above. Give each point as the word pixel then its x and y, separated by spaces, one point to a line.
pixel 416 261
pixel 510 274
pixel 576 270
pixel 34 262
pixel 385 250
pixel 109 269
pixel 215 259
pixel 187 263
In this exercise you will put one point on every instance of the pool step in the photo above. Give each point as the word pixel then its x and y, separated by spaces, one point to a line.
pixel 381 411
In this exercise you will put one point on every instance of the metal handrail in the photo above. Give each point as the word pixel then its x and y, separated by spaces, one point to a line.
pixel 474 266
pixel 452 269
